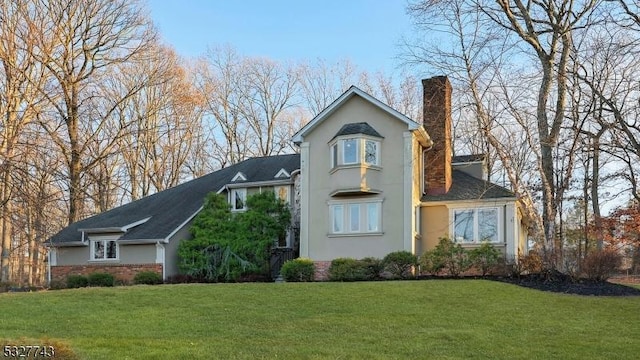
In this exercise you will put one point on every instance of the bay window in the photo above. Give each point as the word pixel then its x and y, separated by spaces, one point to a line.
pixel 472 226
pixel 355 151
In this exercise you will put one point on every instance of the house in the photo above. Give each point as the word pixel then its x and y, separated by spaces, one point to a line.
pixel 144 234
pixel 374 181
pixel 368 181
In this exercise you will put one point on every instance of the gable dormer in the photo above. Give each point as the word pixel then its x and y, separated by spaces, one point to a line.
pixel 282 174
pixel 239 176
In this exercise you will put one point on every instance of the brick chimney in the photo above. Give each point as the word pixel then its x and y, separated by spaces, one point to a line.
pixel 437 122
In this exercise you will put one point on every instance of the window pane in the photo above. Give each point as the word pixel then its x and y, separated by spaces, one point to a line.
pixel 111 250
pixel 372 217
pixel 338 218
pixel 350 151
pixel 488 225
pixel 98 250
pixel 354 217
pixel 463 228
pixel 371 152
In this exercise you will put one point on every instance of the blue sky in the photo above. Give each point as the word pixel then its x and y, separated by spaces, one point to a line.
pixel 367 32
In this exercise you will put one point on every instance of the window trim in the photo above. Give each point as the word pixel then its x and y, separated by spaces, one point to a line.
pixel 476 229
pixel 346 207
pixel 92 250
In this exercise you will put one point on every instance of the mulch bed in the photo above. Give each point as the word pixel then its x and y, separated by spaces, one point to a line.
pixel 560 283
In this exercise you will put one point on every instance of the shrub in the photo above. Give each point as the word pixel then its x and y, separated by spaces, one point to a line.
pixel 485 257
pixel 373 268
pixel 77 281
pixel 298 270
pixel 347 269
pixel 101 279
pixel 529 264
pixel 600 265
pixel 454 257
pixel 431 262
pixel 147 278
pixel 400 263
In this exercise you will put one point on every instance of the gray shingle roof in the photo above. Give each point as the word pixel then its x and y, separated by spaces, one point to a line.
pixel 357 128
pixel 467 187
pixel 170 208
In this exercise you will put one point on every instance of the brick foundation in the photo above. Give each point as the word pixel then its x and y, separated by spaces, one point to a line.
pixel 322 270
pixel 122 272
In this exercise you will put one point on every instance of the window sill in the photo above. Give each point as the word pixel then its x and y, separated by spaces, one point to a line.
pixel 360 234
pixel 355 166
pixel 105 261
pixel 478 244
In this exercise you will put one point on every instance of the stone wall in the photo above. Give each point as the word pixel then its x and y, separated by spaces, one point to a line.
pixel 122 272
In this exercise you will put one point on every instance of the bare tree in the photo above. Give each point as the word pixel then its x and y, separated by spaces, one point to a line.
pixel 80 43
pixel 20 77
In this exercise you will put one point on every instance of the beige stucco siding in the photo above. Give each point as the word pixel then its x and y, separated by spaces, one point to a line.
pixel 434 225
pixel 322 181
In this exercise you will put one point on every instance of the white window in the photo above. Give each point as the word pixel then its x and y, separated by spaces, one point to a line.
pixel 104 250
pixel 476 225
pixel 360 217
pixel 350 151
pixel 373 217
pixel 337 218
pixel 354 218
pixel 238 199
pixel 371 152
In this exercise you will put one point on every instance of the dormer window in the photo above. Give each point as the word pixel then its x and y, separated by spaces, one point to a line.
pixel 355 151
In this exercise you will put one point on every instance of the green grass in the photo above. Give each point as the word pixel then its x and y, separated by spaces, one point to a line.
pixel 438 319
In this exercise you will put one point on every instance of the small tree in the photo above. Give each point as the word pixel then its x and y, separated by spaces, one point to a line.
pixel 257 230
pixel 226 245
pixel 485 257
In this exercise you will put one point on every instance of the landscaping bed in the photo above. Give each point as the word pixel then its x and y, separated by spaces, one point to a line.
pixel 561 283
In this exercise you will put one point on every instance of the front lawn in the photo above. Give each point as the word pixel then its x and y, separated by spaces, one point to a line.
pixel 437 319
